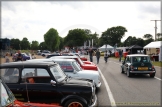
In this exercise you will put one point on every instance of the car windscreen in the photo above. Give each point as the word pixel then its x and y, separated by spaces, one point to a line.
pixel 143 59
pixel 76 66
pixel 58 73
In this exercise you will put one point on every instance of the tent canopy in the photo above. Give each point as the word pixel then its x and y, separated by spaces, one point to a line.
pixel 104 47
pixel 156 44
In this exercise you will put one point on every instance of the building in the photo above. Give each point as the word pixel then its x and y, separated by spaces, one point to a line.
pixel 4 43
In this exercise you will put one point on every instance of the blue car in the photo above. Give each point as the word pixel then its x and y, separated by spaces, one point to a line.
pixel 25 57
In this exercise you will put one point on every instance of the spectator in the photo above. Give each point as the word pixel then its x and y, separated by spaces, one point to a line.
pixel 19 56
pixel 110 52
pixel 120 55
pixel 106 56
pixel 7 57
pixel 98 55
pixel 129 52
pixel 91 54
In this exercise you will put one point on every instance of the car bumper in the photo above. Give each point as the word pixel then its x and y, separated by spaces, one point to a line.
pixel 142 72
pixel 95 102
pixel 98 85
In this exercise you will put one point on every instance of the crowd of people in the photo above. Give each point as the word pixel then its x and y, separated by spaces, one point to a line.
pixel 19 57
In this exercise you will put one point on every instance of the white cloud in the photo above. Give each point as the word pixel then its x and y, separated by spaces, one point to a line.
pixel 33 19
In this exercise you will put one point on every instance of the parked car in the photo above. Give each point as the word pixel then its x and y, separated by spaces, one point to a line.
pixel 73 69
pixel 24 55
pixel 45 53
pixel 82 57
pixel 83 65
pixel 8 99
pixel 138 64
pixel 47 83
pixel 55 54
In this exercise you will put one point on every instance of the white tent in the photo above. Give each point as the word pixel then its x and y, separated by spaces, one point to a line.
pixel 104 47
pixel 156 44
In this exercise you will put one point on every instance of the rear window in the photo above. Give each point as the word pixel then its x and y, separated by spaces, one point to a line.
pixel 140 59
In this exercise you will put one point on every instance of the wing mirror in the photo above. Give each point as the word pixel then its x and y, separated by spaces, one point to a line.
pixel 53 83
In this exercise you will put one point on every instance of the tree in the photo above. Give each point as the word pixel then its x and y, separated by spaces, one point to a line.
pixel 14 43
pixel 75 37
pixel 113 35
pixel 24 44
pixel 34 45
pixel 61 46
pixel 51 39
pixel 42 46
pixel 147 36
pixel 159 36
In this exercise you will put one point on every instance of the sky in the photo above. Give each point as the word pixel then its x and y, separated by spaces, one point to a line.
pixel 32 19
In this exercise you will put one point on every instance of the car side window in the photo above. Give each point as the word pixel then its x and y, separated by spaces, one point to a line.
pixel 10 75
pixel 127 59
pixel 35 75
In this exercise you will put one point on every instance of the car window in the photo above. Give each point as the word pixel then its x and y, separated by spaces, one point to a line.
pixel 66 66
pixel 58 73
pixel 76 66
pixel 127 59
pixel 10 75
pixel 143 59
pixel 35 75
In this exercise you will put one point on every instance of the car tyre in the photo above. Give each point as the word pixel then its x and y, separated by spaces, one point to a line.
pixel 122 70
pixel 152 75
pixel 128 74
pixel 74 103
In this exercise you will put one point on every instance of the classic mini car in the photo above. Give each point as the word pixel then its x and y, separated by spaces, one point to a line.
pixel 137 64
pixel 46 82
pixel 83 65
pixel 8 99
pixel 54 54
pixel 73 69
pixel 82 57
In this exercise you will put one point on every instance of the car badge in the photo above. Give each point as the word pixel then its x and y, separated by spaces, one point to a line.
pixel 142 64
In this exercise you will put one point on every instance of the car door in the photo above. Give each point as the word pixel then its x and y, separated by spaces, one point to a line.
pixel 40 90
pixel 126 63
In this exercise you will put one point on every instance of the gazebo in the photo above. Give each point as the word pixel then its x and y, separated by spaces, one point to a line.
pixel 134 49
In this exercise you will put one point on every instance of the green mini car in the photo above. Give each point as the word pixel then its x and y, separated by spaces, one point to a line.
pixel 137 64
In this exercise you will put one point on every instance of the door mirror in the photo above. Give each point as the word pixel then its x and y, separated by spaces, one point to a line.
pixel 53 83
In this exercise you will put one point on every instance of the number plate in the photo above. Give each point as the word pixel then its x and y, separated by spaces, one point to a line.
pixel 143 68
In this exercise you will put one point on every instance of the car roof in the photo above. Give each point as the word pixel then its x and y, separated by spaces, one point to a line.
pixel 52 60
pixel 137 55
pixel 65 57
pixel 27 64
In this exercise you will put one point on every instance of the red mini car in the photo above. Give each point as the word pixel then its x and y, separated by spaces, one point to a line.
pixel 90 66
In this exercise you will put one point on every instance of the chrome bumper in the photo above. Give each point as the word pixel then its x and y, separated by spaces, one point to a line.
pixel 95 102
pixel 142 72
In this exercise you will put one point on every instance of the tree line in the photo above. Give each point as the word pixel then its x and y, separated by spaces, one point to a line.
pixel 77 37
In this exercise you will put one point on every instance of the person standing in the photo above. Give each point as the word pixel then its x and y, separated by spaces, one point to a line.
pixel 120 55
pixel 98 55
pixel 106 56
pixel 19 56
pixel 7 57
pixel 91 55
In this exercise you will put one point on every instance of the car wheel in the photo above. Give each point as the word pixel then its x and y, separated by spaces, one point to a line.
pixel 128 74
pixel 74 103
pixel 152 75
pixel 122 70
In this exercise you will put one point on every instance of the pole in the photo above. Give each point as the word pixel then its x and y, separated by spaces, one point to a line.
pixel 155 27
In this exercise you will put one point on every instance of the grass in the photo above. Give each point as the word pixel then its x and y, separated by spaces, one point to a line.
pixel 157 63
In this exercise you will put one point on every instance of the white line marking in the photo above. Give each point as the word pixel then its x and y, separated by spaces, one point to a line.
pixel 112 101
pixel 120 64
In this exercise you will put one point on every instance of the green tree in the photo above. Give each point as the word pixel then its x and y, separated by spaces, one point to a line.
pixel 61 46
pixel 113 35
pixel 42 46
pixel 51 39
pixel 14 43
pixel 75 37
pixel 147 36
pixel 159 36
pixel 24 44
pixel 34 45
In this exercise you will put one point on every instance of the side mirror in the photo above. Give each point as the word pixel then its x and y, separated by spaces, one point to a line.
pixel 53 82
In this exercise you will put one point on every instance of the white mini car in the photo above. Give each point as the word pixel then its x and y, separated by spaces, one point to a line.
pixel 73 69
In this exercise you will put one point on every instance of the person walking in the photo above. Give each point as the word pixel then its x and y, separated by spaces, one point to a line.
pixel 7 57
pixel 91 54
pixel 98 55
pixel 105 56
pixel 19 56
pixel 120 55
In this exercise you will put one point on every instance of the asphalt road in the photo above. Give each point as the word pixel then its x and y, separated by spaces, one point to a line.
pixel 119 90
